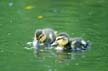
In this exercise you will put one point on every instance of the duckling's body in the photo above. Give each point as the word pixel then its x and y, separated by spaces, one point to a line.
pixel 79 44
pixel 44 37
pixel 65 43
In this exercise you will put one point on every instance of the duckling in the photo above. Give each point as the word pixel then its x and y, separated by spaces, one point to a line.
pixel 65 43
pixel 44 37
pixel 79 44
pixel 62 42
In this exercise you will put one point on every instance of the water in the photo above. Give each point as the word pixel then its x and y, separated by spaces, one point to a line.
pixel 79 18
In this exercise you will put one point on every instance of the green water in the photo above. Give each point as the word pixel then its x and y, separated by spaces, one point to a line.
pixel 79 18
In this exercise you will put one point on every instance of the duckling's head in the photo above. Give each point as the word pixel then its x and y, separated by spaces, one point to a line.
pixel 61 40
pixel 40 35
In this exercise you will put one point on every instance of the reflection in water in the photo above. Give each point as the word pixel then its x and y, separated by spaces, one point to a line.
pixel 67 57
pixel 62 57
pixel 41 53
pixel 59 56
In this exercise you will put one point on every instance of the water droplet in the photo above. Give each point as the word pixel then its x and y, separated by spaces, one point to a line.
pixel 27 48
pixel 29 43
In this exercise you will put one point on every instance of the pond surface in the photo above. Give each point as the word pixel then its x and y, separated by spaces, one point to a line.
pixel 79 18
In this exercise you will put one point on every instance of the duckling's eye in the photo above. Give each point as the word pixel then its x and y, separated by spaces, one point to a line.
pixel 59 38
pixel 41 36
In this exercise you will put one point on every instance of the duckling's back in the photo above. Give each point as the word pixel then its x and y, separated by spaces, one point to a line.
pixel 79 44
pixel 51 35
